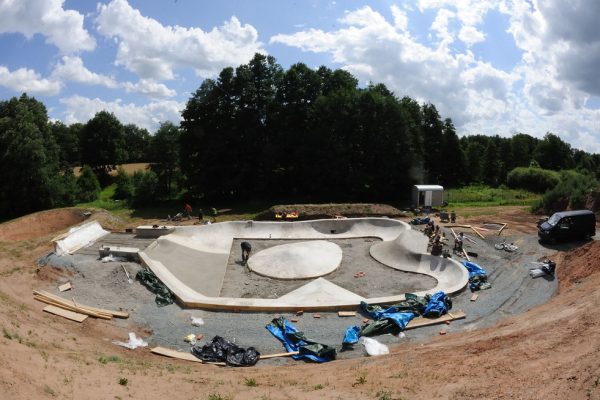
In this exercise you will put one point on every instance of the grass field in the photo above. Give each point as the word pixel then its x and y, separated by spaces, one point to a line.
pixel 485 196
pixel 129 168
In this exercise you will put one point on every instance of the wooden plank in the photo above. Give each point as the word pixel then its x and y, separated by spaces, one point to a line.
pixel 71 308
pixel 420 321
pixel 66 286
pixel 346 313
pixel 278 355
pixel 477 232
pixel 163 351
pixel 73 316
pixel 501 229
pixel 114 313
pixel 474 297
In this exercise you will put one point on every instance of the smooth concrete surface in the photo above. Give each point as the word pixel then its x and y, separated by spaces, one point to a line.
pixel 192 260
pixel 303 260
pixel 148 231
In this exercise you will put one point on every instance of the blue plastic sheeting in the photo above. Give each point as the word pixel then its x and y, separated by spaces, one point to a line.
pixel 474 269
pixel 436 305
pixel 420 221
pixel 399 318
pixel 351 336
pixel 290 345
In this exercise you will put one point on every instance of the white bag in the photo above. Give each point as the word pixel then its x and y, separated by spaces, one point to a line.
pixel 374 348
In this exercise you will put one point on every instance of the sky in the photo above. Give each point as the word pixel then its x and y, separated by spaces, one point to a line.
pixel 492 66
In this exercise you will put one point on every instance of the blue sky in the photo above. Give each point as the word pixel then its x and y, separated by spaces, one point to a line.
pixel 493 66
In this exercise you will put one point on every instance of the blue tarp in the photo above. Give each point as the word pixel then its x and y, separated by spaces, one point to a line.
pixel 474 269
pixel 351 336
pixel 419 221
pixel 294 340
pixel 436 306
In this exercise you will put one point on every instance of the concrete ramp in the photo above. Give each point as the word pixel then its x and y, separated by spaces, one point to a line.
pixel 192 262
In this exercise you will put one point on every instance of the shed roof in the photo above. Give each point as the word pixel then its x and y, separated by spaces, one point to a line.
pixel 429 187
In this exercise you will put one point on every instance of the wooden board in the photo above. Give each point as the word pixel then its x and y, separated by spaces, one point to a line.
pixel 501 229
pixel 163 351
pixel 278 355
pixel 71 307
pixel 420 321
pixel 114 313
pixel 73 316
pixel 474 297
pixel 477 232
pixel 66 286
pixel 346 313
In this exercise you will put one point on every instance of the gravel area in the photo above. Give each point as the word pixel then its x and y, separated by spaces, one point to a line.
pixel 380 280
pixel 105 285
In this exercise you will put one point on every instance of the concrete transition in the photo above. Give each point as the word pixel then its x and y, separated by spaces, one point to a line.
pixel 192 262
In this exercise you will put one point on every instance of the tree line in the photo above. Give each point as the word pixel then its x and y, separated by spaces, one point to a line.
pixel 261 132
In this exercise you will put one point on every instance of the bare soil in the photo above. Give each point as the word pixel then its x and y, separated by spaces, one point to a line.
pixel 550 351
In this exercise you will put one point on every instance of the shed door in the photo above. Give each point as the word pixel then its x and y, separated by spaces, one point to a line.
pixel 428 196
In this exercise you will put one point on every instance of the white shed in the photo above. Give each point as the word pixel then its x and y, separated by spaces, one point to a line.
pixel 427 195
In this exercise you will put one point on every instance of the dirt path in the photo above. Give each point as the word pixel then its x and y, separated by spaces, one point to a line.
pixel 524 350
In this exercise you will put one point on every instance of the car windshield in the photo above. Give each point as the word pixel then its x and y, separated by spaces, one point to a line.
pixel 554 219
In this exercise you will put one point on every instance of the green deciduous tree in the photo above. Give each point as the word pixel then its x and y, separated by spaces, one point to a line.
pixel 29 158
pixel 164 155
pixel 89 187
pixel 103 144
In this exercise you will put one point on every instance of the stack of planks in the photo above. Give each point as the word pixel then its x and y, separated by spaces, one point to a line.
pixel 72 310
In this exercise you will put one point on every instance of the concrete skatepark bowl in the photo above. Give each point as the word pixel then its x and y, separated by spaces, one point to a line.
pixel 192 261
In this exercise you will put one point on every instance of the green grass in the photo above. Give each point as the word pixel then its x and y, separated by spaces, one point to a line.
pixel 486 196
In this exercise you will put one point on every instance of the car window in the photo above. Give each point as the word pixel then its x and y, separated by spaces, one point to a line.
pixel 554 219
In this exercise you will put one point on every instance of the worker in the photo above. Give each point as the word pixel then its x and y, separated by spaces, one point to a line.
pixel 458 242
pixel 246 249
pixel 188 210
pixel 436 248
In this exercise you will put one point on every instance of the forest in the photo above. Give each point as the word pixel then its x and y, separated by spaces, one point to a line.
pixel 259 132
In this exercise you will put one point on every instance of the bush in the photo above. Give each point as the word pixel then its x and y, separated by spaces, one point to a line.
pixel 570 192
pixel 89 187
pixel 124 190
pixel 145 187
pixel 534 179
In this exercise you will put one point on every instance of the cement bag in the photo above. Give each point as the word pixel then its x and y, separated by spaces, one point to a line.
pixel 374 348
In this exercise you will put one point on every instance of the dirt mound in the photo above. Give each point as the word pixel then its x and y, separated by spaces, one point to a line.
pixel 40 224
pixel 318 211
pixel 578 264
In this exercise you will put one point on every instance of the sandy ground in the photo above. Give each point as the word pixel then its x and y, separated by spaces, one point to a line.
pixel 518 340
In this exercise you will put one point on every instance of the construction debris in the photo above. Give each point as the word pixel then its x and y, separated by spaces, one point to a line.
pixel 71 305
pixel 73 316
pixel 133 343
pixel 346 313
pixel 65 287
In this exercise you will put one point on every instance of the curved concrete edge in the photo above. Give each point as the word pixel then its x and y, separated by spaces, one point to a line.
pixel 404 251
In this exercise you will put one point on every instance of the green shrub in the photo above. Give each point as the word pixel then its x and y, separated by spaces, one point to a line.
pixel 89 187
pixel 570 192
pixel 124 182
pixel 534 179
pixel 145 187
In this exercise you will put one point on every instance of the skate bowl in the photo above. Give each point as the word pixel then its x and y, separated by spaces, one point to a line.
pixel 192 262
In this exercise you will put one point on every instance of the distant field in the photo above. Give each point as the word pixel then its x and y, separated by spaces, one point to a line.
pixel 129 168
pixel 485 196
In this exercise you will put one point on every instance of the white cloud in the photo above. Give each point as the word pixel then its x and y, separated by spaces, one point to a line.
pixel 470 35
pixel 149 88
pixel 546 91
pixel 71 69
pixel 153 50
pixel 62 28
pixel 27 80
pixel 149 116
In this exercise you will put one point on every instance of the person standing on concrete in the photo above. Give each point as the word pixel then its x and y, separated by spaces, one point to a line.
pixel 246 249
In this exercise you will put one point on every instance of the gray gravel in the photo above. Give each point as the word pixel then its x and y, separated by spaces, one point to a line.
pixel 105 285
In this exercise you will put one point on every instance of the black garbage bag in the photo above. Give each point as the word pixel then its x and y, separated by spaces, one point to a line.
pixel 164 296
pixel 222 350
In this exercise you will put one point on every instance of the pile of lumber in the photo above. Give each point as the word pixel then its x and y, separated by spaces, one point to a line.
pixel 73 310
